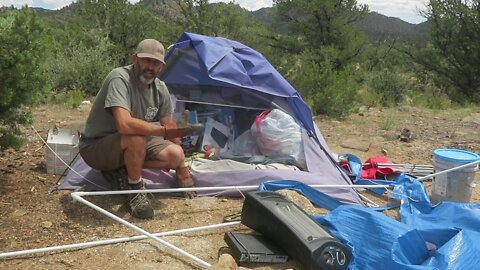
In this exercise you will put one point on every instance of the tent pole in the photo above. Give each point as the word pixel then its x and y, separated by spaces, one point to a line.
pixel 449 170
pixel 368 200
pixel 111 241
pixel 171 190
pixel 399 165
pixel 77 197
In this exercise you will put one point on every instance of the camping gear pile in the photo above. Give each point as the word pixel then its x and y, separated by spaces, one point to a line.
pixel 244 104
pixel 226 85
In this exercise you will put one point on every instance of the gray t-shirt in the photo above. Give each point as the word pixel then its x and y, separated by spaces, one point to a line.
pixel 119 89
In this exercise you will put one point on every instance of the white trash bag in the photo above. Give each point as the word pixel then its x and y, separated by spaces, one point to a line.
pixel 278 136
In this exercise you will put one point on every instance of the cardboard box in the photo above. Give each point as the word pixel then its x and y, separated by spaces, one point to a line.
pixel 189 143
pixel 65 145
pixel 216 137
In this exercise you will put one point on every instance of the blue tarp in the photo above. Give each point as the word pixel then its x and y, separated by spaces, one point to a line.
pixel 380 242
pixel 313 195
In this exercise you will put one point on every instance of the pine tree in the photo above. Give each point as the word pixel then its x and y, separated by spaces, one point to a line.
pixel 21 82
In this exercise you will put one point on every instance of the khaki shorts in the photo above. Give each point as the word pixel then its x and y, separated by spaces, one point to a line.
pixel 106 154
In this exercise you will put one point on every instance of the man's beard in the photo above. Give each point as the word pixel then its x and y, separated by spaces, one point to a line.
pixel 142 78
pixel 145 80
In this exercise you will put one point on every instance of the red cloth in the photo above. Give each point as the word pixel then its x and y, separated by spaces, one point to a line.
pixel 371 171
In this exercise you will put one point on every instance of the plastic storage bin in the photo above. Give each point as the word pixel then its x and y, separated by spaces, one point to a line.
pixel 456 185
pixel 65 145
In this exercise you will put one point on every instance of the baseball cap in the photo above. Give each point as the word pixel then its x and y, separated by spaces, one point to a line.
pixel 151 48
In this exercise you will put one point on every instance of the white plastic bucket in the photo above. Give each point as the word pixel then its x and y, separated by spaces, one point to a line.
pixel 455 185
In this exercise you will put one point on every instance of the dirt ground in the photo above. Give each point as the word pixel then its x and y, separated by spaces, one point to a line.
pixel 32 218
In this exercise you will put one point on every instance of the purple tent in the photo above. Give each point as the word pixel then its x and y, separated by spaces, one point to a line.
pixel 221 72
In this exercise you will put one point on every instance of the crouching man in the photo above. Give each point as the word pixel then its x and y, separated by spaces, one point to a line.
pixel 120 139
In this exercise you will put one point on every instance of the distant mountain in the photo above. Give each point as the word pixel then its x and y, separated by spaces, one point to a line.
pixel 165 9
pixel 169 9
pixel 262 14
pixel 42 10
pixel 378 27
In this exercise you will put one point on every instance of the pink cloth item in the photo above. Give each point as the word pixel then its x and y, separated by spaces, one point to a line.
pixel 371 170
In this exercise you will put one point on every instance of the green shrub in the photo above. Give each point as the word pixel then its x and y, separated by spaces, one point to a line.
pixel 22 52
pixel 327 91
pixel 13 138
pixel 369 98
pixel 388 122
pixel 425 94
pixel 430 100
pixel 81 66
pixel 71 98
pixel 389 86
pixel 11 134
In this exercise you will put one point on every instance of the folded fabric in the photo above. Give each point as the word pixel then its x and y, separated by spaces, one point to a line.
pixel 201 165
pixel 371 170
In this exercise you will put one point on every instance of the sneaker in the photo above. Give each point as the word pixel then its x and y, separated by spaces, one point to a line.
pixel 118 178
pixel 140 206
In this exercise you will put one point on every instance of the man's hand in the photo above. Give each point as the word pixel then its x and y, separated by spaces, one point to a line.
pixel 173 131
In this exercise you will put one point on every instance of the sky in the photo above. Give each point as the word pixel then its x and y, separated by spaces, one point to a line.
pixel 407 10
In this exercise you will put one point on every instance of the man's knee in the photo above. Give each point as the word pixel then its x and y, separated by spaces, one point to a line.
pixel 173 155
pixel 177 154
